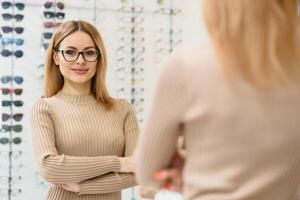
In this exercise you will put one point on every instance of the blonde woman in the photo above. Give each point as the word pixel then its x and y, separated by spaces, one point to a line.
pixel 83 139
pixel 237 104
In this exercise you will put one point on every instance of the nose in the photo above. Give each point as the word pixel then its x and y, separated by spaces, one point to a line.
pixel 80 59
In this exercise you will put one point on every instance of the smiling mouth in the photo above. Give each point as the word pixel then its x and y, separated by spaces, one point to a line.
pixel 80 71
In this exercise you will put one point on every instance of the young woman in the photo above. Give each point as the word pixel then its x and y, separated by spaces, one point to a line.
pixel 237 104
pixel 83 139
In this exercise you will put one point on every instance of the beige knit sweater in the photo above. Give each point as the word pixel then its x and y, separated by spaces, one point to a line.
pixel 242 143
pixel 75 140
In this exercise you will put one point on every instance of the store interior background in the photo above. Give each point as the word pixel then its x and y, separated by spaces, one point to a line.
pixel 134 61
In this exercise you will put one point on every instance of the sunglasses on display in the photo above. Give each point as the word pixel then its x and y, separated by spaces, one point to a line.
pixel 17 117
pixel 7 41
pixel 8 29
pixel 50 24
pixel 58 15
pixel 7 53
pixel 16 128
pixel 16 91
pixel 8 16
pixel 17 79
pixel 17 103
pixel 49 4
pixel 7 4
pixel 5 140
pixel 47 35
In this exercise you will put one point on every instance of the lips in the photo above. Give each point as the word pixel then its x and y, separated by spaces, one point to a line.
pixel 80 70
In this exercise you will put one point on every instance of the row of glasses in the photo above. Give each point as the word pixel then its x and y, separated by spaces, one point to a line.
pixel 53 15
pixel 130 55
pixel 12 16
pixel 129 70
pixel 168 34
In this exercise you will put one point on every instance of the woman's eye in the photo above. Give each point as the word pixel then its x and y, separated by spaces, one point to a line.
pixel 90 53
pixel 70 52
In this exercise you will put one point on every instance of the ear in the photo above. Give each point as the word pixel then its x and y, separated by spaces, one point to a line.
pixel 56 57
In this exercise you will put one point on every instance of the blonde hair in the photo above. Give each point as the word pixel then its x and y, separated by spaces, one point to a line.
pixel 256 38
pixel 53 78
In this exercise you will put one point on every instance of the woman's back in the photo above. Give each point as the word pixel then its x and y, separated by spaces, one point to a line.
pixel 239 138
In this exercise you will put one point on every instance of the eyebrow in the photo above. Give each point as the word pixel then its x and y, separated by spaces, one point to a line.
pixel 89 47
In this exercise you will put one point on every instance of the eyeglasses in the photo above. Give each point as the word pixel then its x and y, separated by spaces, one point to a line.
pixel 17 79
pixel 10 192
pixel 58 15
pixel 130 30
pixel 168 11
pixel 131 91
pixel 17 116
pixel 17 103
pixel 130 70
pixel 5 140
pixel 12 154
pixel 72 55
pixel 49 4
pixel 132 40
pixel 7 53
pixel 136 52
pixel 8 29
pixel 14 167
pixel 135 21
pixel 137 9
pixel 15 128
pixel 129 61
pixel 11 179
pixel 50 24
pixel 7 4
pixel 137 102
pixel 7 41
pixel 47 35
pixel 8 16
pixel 17 91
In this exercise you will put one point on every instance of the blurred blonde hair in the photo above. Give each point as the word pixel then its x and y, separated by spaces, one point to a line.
pixel 54 80
pixel 256 38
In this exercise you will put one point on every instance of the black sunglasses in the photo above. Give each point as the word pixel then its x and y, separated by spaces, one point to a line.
pixel 17 79
pixel 17 91
pixel 58 15
pixel 8 29
pixel 5 140
pixel 7 53
pixel 8 16
pixel 7 4
pixel 47 35
pixel 15 128
pixel 17 103
pixel 17 116
pixel 49 4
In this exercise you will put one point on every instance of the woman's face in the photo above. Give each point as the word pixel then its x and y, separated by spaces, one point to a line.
pixel 77 67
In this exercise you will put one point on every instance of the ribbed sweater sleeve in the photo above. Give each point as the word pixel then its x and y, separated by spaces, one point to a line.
pixel 114 182
pixel 163 123
pixel 61 169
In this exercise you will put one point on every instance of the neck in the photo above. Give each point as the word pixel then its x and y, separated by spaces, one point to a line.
pixel 77 89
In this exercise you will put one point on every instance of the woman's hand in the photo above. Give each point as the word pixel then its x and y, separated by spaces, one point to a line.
pixel 71 187
pixel 171 177
pixel 127 165
pixel 147 193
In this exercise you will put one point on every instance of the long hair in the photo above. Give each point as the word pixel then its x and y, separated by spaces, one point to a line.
pixel 256 39
pixel 54 80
